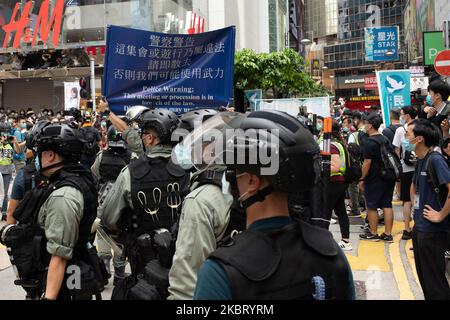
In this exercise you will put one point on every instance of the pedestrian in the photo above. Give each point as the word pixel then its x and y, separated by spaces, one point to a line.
pixel 276 257
pixel 6 163
pixel 389 132
pixel 408 159
pixel 377 191
pixel 438 91
pixel 338 186
pixel 429 193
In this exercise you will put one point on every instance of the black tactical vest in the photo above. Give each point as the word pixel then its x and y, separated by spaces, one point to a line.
pixel 281 264
pixel 113 161
pixel 158 188
pixel 32 177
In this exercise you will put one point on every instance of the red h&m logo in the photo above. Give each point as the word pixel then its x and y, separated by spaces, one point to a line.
pixel 22 28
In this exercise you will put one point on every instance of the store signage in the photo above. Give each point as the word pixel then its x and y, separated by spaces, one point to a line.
pixel 370 82
pixel 21 26
pixel 381 41
pixel 365 98
pixel 353 81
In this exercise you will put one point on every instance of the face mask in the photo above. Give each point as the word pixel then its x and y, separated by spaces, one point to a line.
pixel 37 163
pixel 402 121
pixel 319 126
pixel 23 125
pixel 183 157
pixel 428 100
pixel 104 124
pixel 408 146
pixel 345 129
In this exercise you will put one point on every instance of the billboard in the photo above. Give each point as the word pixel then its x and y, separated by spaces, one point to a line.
pixel 71 95
pixel 433 43
pixel 381 40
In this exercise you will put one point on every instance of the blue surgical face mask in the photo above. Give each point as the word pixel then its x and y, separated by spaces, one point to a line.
pixel 183 157
pixel 428 100
pixel 23 125
pixel 104 124
pixel 408 146
pixel 402 121
pixel 37 164
pixel 345 129
pixel 319 127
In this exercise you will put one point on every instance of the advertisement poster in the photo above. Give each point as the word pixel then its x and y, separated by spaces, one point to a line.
pixel 71 95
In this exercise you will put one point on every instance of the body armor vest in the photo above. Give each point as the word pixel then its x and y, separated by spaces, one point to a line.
pixel 113 161
pixel 158 188
pixel 299 261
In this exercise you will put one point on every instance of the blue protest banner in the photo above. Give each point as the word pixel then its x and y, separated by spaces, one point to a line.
pixel 177 72
pixel 394 87
pixel 379 41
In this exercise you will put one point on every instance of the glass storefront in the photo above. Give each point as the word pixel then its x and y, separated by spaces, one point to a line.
pixel 84 21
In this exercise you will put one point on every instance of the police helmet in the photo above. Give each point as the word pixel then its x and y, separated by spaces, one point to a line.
pixel 163 121
pixel 33 134
pixel 271 144
pixel 63 139
pixel 188 119
pixel 115 138
pixel 135 112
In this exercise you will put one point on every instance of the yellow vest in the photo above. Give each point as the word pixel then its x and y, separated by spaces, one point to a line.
pixel 343 167
pixel 6 154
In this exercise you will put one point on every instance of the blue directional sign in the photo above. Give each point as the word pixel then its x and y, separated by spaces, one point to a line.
pixel 381 43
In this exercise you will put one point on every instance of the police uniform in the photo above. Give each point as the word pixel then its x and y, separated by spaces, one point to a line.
pixel 134 141
pixel 203 222
pixel 277 257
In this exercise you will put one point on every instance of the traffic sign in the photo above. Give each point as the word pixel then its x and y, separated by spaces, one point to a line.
pixel 442 63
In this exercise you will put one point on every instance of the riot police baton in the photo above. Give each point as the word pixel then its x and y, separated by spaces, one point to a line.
pixel 114 246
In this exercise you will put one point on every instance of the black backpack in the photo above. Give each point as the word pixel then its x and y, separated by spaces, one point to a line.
pixel 90 137
pixel 353 170
pixel 390 168
pixel 432 177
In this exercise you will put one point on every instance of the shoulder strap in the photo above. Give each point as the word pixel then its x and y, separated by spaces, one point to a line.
pixel 432 175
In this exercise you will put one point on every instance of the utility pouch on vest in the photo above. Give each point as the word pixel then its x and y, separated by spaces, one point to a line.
pixel 164 246
pixel 144 291
pixel 81 280
pixel 155 274
pixel 122 289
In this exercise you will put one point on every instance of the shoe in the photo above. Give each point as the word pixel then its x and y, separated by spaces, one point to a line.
pixel 406 235
pixel 345 246
pixel 386 238
pixel 354 214
pixel 333 221
pixel 365 227
pixel 447 254
pixel 369 236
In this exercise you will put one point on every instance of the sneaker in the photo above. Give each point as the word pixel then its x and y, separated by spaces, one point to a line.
pixel 333 221
pixel 354 214
pixel 447 254
pixel 345 246
pixel 406 235
pixel 387 238
pixel 365 227
pixel 369 236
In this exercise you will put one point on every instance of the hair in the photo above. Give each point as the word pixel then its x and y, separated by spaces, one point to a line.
pixel 394 114
pixel 410 111
pixel 444 146
pixel 429 131
pixel 349 119
pixel 319 118
pixel 441 87
pixel 357 115
pixel 336 131
pixel 375 120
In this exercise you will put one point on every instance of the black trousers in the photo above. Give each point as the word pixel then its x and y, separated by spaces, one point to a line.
pixel 336 202
pixel 429 257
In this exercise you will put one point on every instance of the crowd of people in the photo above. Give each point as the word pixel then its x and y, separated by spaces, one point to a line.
pixel 416 144
pixel 214 230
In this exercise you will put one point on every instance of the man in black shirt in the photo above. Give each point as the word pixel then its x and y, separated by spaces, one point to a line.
pixel 378 192
pixel 389 132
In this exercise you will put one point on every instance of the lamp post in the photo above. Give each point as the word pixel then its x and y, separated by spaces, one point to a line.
pixel 332 83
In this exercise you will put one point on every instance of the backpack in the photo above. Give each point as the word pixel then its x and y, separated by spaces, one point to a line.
pixel 390 168
pixel 432 177
pixel 353 170
pixel 89 135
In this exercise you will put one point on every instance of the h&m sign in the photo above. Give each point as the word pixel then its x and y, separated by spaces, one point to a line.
pixel 22 28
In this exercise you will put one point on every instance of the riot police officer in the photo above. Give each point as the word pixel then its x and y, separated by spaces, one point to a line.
pixel 29 177
pixel 53 236
pixel 276 257
pixel 129 130
pixel 145 201
pixel 106 168
pixel 204 218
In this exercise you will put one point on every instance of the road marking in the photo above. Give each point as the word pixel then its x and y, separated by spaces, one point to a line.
pixel 399 270
pixel 412 262
pixel 370 254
